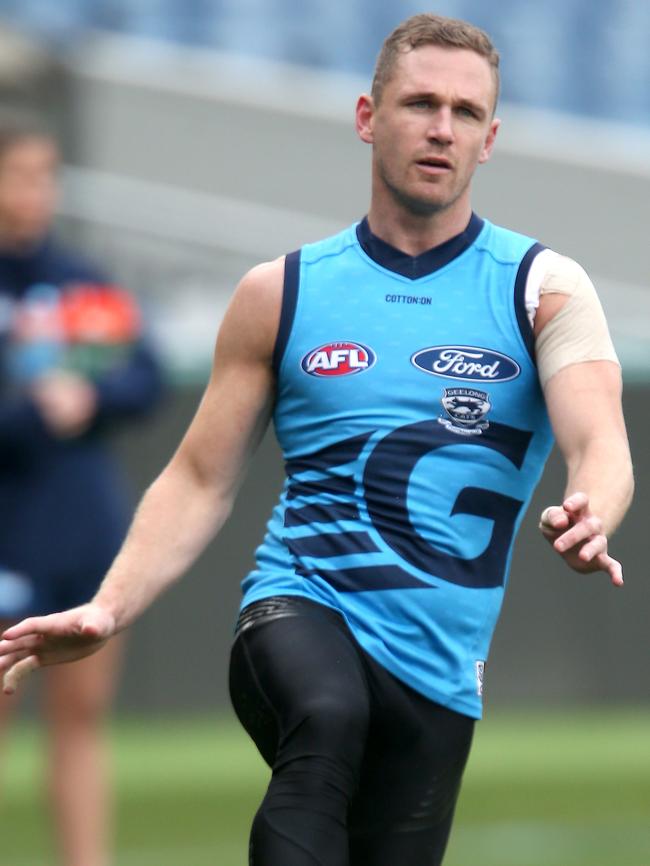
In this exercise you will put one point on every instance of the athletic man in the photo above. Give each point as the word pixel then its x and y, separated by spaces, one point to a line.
pixel 397 359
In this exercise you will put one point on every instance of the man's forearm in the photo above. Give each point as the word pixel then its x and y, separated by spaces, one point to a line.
pixel 176 519
pixel 604 472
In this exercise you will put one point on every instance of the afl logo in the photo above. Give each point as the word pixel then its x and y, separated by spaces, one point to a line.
pixel 466 363
pixel 338 359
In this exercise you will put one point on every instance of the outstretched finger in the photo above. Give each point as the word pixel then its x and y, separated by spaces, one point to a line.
pixel 613 567
pixel 31 625
pixel 8 661
pixel 17 673
pixel 30 642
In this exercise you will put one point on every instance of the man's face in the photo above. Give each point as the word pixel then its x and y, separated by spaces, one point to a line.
pixel 27 188
pixel 433 125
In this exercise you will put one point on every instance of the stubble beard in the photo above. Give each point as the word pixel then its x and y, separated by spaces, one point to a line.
pixel 415 205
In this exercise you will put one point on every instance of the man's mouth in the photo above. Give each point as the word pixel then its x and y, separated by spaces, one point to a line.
pixel 434 164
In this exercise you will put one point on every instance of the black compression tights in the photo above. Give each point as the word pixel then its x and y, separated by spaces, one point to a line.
pixel 365 771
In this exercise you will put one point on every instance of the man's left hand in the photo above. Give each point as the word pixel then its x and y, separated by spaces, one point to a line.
pixel 577 535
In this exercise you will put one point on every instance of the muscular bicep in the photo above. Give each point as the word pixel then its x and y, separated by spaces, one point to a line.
pixel 237 403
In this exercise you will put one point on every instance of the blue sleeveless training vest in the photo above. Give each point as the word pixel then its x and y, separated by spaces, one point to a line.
pixel 414 432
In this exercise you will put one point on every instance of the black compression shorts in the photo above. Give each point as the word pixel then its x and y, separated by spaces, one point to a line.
pixel 366 771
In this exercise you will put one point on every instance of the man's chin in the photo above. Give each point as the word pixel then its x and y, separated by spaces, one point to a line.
pixel 423 205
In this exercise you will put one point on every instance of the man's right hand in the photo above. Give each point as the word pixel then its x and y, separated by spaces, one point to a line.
pixel 48 640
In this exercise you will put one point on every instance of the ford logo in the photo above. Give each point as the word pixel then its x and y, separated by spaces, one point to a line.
pixel 466 363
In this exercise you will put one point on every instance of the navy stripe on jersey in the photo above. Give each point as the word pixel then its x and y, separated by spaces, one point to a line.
pixel 520 298
pixel 331 544
pixel 288 310
pixel 339 485
pixel 370 577
pixel 414 267
pixel 337 454
pixel 320 513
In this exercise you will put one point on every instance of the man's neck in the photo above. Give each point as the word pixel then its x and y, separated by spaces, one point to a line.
pixel 414 234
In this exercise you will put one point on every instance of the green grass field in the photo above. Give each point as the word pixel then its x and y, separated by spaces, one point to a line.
pixel 551 789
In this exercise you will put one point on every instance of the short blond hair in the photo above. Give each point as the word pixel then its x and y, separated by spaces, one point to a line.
pixel 429 29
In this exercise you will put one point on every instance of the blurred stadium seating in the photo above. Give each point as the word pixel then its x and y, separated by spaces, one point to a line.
pixel 585 56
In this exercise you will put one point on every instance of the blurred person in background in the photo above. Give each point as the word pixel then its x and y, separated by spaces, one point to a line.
pixel 72 363
pixel 417 366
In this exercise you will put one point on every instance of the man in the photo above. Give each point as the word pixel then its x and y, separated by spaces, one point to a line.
pixel 397 359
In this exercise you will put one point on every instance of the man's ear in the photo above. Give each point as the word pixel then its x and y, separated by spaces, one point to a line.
pixel 364 117
pixel 488 146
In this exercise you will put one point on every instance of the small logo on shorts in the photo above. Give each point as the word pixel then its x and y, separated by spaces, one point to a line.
pixel 480 673
pixel 466 409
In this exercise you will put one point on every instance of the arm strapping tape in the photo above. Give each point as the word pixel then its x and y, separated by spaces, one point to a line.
pixel 578 332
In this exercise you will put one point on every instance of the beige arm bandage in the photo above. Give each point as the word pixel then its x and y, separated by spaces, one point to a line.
pixel 578 332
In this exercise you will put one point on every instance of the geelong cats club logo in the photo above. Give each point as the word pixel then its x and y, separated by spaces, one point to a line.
pixel 465 411
pixel 338 359
pixel 466 363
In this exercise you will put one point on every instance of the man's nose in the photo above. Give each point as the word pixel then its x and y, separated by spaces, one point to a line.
pixel 441 126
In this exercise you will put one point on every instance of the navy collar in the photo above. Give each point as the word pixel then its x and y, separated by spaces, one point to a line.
pixel 426 263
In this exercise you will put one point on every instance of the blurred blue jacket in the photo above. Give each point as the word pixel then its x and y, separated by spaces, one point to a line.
pixel 64 504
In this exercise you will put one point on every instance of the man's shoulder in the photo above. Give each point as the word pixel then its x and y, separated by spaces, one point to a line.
pixel 263 281
pixel 505 243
